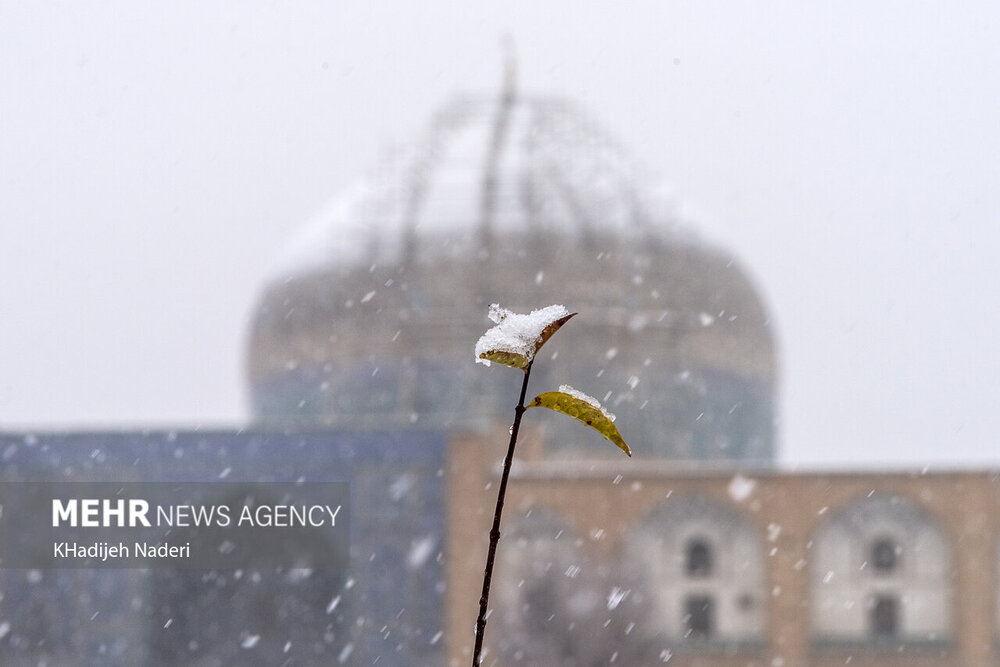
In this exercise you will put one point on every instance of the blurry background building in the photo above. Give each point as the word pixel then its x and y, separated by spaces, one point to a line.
pixel 645 564
pixel 360 367
pixel 697 552
pixel 520 200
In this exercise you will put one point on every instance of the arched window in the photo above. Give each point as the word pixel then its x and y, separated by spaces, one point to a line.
pixel 700 574
pixel 880 569
pixel 699 616
pixel 884 555
pixel 884 617
pixel 698 558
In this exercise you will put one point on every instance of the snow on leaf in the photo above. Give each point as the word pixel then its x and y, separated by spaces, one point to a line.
pixel 566 389
pixel 516 338
pixel 497 313
pixel 583 408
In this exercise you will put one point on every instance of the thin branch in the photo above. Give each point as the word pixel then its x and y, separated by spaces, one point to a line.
pixel 495 531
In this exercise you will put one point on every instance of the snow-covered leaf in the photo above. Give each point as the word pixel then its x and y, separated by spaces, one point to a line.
pixel 583 408
pixel 516 338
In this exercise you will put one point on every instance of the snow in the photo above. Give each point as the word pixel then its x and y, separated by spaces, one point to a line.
pixel 616 596
pixel 420 551
pixel 586 398
pixel 516 333
pixel 345 653
pixel 741 487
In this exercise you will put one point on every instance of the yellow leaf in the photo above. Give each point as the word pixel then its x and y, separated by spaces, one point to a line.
pixel 518 353
pixel 512 359
pixel 581 410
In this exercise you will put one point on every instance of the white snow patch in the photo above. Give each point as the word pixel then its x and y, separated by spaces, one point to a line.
pixel 420 551
pixel 345 653
pixel 616 596
pixel 741 487
pixel 516 333
pixel 401 486
pixel 566 389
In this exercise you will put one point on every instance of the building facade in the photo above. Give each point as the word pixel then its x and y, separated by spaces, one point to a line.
pixel 601 562
pixel 616 563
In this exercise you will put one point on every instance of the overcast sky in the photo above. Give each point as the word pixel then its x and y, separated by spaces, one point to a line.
pixel 155 157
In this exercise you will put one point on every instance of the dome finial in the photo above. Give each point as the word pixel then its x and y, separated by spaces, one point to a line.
pixel 501 121
pixel 509 91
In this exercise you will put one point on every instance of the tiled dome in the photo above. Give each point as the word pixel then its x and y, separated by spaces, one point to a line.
pixel 371 319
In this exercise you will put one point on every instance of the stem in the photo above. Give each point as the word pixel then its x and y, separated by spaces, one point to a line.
pixel 495 531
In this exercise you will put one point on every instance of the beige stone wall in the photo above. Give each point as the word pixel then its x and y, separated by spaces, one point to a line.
pixel 603 501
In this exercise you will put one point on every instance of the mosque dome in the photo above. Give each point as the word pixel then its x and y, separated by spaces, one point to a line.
pixel 371 318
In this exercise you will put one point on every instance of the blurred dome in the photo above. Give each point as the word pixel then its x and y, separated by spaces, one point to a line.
pixel 371 319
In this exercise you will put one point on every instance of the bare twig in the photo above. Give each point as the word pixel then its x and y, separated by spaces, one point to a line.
pixel 495 531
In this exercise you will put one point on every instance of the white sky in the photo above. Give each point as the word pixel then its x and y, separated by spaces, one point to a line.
pixel 154 157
